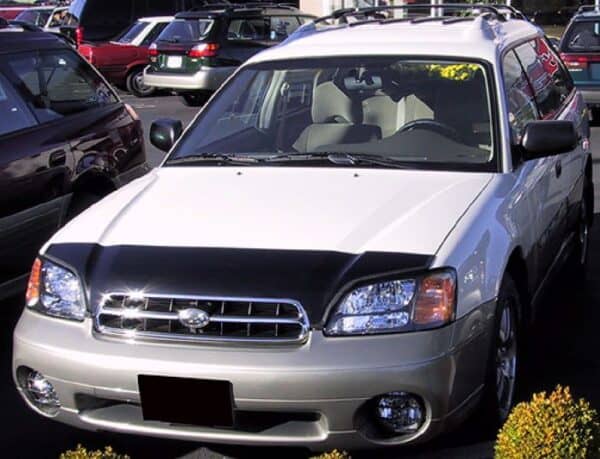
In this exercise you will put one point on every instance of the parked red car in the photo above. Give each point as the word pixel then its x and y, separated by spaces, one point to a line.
pixel 11 12
pixel 122 61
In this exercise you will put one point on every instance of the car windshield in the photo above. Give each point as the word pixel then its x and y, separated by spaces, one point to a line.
pixel 583 37
pixel 186 30
pixel 427 114
pixel 130 34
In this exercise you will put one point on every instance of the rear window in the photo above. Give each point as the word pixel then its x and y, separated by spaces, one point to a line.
pixel 184 30
pixel 13 111
pixel 583 37
pixel 56 83
pixel 36 17
pixel 130 34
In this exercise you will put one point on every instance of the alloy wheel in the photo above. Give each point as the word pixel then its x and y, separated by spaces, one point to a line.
pixel 506 359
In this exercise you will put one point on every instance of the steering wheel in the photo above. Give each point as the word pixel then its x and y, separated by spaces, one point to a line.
pixel 432 125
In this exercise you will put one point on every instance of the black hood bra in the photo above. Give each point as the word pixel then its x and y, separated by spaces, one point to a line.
pixel 313 278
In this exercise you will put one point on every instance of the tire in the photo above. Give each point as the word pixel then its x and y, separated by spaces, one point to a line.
pixel 503 362
pixel 195 99
pixel 135 84
pixel 80 202
pixel 576 268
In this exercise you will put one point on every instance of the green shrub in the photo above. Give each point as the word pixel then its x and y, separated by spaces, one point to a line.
pixel 335 454
pixel 551 426
pixel 82 453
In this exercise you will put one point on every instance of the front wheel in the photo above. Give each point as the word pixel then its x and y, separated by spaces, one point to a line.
pixel 501 381
pixel 195 99
pixel 135 84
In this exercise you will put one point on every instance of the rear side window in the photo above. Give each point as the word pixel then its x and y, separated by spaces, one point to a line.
pixel 282 26
pixel 519 94
pixel 13 111
pixel 255 29
pixel 57 83
pixel 130 34
pixel 550 83
pixel 582 37
pixel 186 30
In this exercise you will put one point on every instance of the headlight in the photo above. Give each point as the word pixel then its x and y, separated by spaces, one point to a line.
pixel 417 303
pixel 55 291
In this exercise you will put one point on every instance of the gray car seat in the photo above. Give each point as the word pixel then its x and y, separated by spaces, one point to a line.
pixel 334 121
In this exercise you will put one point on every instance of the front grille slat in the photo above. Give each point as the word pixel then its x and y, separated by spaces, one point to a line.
pixel 162 317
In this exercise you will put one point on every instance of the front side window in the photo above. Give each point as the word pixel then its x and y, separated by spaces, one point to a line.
pixel 550 84
pixel 186 30
pixel 130 34
pixel 522 108
pixel 426 114
pixel 57 83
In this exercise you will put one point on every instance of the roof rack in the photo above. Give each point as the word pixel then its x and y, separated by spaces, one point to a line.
pixel 510 10
pixel 361 13
pixel 209 5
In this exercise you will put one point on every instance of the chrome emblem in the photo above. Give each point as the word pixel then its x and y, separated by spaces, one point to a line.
pixel 193 318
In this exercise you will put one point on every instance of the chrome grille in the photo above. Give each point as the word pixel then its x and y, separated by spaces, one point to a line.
pixel 200 319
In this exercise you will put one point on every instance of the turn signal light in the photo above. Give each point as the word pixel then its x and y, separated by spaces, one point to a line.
pixel 33 286
pixel 435 299
pixel 204 50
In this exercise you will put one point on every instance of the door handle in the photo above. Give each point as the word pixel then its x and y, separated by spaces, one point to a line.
pixel 58 158
pixel 558 168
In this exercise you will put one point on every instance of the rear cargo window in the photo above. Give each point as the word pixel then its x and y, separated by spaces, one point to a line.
pixel 583 37
pixel 186 30
pixel 57 83
pixel 14 113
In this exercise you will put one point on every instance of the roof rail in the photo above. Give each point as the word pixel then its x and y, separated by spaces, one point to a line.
pixel 587 9
pixel 361 13
pixel 228 6
pixel 510 10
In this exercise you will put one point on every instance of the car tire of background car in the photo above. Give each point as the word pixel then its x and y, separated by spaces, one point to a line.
pixel 81 201
pixel 195 99
pixel 135 84
pixel 503 363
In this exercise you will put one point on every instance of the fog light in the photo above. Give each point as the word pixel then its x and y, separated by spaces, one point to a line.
pixel 400 412
pixel 40 393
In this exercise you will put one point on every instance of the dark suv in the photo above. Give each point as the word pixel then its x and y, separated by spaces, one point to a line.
pixel 66 140
pixel 200 49
pixel 580 50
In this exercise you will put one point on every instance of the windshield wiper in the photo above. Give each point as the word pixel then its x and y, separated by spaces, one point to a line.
pixel 340 158
pixel 214 157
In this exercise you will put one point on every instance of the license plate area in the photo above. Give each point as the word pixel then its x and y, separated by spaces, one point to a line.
pixel 174 62
pixel 197 402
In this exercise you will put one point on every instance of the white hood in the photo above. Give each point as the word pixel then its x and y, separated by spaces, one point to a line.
pixel 287 208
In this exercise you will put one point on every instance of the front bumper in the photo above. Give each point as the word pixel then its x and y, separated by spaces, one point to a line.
pixel 591 96
pixel 207 78
pixel 96 380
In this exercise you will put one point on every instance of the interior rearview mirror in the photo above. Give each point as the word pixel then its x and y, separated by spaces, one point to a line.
pixel 164 133
pixel 548 138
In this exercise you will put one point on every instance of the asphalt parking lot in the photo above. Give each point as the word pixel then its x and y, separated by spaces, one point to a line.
pixel 563 350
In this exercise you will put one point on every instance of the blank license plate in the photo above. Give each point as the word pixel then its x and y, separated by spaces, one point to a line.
pixel 186 401
pixel 174 62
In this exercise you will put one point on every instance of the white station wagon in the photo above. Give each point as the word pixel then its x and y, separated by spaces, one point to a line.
pixel 342 250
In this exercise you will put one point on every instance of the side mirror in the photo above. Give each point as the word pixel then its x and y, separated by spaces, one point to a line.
pixel 165 132
pixel 548 138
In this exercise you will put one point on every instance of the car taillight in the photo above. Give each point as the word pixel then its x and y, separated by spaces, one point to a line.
pixel 204 50
pixel 153 50
pixel 575 62
pixel 79 35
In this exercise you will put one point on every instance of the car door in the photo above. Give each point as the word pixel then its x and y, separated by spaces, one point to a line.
pixel 553 95
pixel 535 175
pixel 35 165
